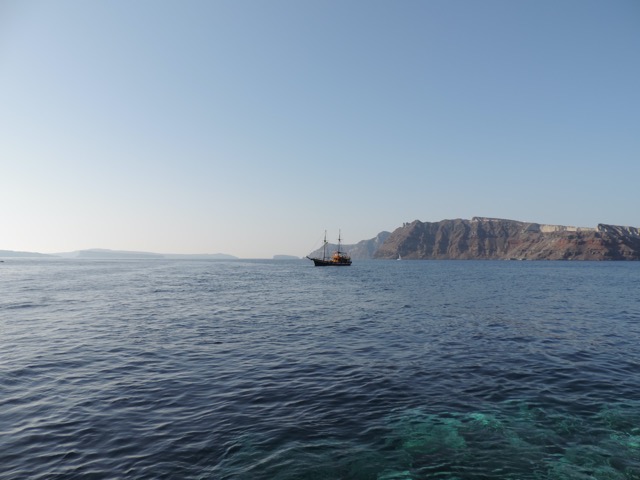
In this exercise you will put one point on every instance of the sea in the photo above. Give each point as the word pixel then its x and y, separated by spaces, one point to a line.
pixel 279 370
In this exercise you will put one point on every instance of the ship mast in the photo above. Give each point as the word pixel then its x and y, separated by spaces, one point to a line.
pixel 324 246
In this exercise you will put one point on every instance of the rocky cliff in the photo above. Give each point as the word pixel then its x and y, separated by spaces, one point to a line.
pixel 492 238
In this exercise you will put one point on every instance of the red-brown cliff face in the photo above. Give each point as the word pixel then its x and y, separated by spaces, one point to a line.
pixel 491 238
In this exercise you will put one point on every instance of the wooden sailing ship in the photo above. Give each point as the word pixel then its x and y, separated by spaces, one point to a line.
pixel 337 258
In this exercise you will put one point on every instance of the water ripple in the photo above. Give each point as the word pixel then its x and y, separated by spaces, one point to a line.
pixel 225 370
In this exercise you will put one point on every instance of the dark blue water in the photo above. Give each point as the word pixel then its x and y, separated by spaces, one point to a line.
pixel 278 370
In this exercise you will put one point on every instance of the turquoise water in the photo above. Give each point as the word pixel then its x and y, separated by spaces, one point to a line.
pixel 279 370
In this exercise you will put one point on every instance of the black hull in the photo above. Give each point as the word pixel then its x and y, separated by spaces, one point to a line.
pixel 318 262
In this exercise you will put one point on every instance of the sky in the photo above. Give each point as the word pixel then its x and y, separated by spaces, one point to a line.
pixel 250 127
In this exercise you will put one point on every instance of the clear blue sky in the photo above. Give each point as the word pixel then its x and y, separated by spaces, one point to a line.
pixel 250 127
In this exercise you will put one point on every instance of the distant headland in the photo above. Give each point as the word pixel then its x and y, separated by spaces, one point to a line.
pixel 500 239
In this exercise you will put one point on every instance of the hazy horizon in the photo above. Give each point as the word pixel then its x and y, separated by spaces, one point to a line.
pixel 250 128
pixel 315 248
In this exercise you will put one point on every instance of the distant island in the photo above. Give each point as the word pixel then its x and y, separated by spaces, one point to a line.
pixel 105 254
pixel 499 239
pixel 15 254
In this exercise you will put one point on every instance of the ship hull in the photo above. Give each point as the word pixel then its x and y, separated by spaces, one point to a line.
pixel 318 262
